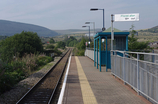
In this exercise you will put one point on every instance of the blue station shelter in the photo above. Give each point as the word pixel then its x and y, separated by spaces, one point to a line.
pixel 102 46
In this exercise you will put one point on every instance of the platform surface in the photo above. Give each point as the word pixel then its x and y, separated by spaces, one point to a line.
pixel 86 85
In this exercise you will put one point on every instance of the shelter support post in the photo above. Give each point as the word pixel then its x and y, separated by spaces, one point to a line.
pixel 94 52
pixel 97 53
pixel 100 53
pixel 106 55
pixel 127 43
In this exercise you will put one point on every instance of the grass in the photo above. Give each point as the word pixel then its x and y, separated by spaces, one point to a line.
pixel 147 36
pixel 20 68
pixel 62 37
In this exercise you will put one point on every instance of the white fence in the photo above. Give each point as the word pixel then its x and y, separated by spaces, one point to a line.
pixel 90 54
pixel 139 74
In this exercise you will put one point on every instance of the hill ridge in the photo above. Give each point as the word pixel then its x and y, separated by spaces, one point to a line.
pixel 152 30
pixel 9 28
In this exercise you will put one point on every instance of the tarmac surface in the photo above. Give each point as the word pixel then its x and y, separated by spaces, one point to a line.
pixel 86 85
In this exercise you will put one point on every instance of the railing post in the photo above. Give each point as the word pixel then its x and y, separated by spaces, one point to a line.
pixel 115 54
pixel 138 82
pixel 151 87
pixel 147 80
pixel 94 52
pixel 112 61
pixel 157 88
pixel 124 68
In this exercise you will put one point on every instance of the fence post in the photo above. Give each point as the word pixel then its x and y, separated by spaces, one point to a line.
pixel 157 88
pixel 138 82
pixel 124 77
pixel 153 57
pixel 115 63
pixel 147 80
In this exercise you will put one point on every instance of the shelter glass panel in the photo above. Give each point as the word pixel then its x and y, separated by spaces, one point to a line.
pixel 120 43
pixel 103 45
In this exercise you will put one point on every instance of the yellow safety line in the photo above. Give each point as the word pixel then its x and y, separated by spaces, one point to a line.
pixel 87 93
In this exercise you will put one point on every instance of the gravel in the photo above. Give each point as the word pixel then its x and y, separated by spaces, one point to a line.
pixel 12 96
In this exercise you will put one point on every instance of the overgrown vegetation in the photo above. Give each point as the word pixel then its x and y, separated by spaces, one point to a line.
pixel 51 40
pixel 25 42
pixel 61 44
pixel 2 37
pixel 133 43
pixel 50 46
pixel 19 68
pixel 71 41
pixel 80 47
pixel 20 56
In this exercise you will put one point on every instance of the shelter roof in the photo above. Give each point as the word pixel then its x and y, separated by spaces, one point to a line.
pixel 109 34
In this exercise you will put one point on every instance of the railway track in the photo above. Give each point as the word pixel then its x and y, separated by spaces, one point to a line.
pixel 43 91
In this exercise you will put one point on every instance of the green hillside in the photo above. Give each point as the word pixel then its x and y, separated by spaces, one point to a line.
pixel 151 30
pixel 109 30
pixel 9 28
pixel 150 34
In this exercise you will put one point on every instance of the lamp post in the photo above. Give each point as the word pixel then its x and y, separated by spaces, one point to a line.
pixel 93 25
pixel 94 9
pixel 89 34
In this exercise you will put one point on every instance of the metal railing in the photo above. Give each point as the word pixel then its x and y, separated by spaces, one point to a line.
pixel 90 53
pixel 138 72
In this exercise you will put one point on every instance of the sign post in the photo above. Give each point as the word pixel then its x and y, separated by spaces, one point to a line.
pixel 112 32
pixel 122 17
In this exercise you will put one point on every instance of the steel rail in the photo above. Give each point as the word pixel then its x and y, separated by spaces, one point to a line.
pixel 50 100
pixel 31 90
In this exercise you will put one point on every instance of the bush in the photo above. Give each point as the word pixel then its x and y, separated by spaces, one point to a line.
pixel 30 61
pixel 81 45
pixel 43 60
pixel 61 45
pixel 18 69
pixel 6 82
pixel 11 76
pixel 51 40
pixel 71 41
pixel 81 53
pixel 49 46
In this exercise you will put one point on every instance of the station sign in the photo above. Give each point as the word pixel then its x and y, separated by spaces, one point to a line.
pixel 126 17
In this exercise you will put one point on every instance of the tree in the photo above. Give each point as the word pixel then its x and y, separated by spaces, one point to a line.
pixel 71 41
pixel 61 45
pixel 49 46
pixel 82 44
pixel 51 40
pixel 133 44
pixel 25 42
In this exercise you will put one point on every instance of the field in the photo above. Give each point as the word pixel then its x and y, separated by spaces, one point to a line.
pixel 62 37
pixel 147 36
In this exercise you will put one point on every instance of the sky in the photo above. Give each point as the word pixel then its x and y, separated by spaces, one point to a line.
pixel 72 14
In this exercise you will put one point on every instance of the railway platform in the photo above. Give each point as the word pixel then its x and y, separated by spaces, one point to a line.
pixel 86 85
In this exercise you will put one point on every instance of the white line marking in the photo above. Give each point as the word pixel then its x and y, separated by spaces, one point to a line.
pixel 64 84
